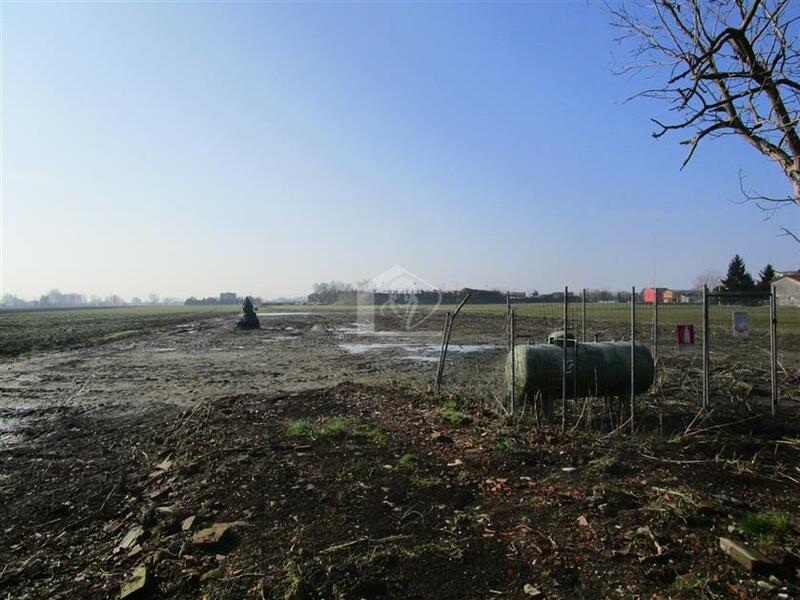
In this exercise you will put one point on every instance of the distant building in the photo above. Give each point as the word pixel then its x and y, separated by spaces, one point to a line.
pixel 228 298
pixel 665 296
pixel 670 297
pixel 787 288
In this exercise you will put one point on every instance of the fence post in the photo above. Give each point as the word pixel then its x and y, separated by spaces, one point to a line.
pixel 655 327
pixel 513 363
pixel 706 336
pixel 564 362
pixel 583 315
pixel 633 354
pixel 508 318
pixel 773 348
pixel 440 366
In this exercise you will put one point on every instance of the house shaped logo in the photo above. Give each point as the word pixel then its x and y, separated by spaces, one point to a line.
pixel 399 298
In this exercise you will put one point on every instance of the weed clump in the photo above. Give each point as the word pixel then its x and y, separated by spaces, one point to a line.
pixel 765 528
pixel 690 583
pixel 300 428
pixel 452 415
pixel 334 428
pixel 407 461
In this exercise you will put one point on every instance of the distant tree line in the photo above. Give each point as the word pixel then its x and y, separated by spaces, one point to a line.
pixel 192 300
pixel 336 292
pixel 56 299
pixel 737 278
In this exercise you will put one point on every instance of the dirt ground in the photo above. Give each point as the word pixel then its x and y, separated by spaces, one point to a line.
pixel 312 460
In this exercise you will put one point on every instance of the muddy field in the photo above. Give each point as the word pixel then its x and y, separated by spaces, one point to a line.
pixel 311 459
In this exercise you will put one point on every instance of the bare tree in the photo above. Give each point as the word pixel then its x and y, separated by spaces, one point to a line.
pixel 709 277
pixel 725 68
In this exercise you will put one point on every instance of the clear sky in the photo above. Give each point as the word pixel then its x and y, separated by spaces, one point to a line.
pixel 188 148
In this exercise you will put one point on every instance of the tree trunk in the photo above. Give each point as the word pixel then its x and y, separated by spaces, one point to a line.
pixel 796 184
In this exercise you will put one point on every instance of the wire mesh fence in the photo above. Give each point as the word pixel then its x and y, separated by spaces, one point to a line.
pixel 714 351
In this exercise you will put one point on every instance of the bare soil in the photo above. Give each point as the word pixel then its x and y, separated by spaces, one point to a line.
pixel 342 474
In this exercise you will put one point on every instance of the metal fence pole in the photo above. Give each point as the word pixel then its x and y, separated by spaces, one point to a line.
pixel 583 315
pixel 513 363
pixel 773 348
pixel 508 317
pixel 564 362
pixel 706 339
pixel 655 327
pixel 440 366
pixel 633 354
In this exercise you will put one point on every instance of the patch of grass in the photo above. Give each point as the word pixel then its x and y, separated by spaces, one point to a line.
pixel 335 428
pixel 293 582
pixel 451 548
pixel 689 583
pixel 765 527
pixel 365 431
pixel 452 415
pixel 506 444
pixel 463 476
pixel 300 428
pixel 430 481
pixel 407 461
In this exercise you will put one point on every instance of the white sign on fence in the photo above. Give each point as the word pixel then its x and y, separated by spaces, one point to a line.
pixel 741 325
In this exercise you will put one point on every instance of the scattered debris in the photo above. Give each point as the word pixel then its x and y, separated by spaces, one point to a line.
pixel 136 585
pixel 212 536
pixel 749 558
pixel 130 539
pixel 531 591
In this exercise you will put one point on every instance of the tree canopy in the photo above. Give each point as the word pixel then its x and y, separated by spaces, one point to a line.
pixel 738 279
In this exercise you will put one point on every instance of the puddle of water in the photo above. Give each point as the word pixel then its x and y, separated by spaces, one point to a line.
pixel 288 314
pixel 279 338
pixel 362 348
pixel 465 348
pixel 420 352
pixel 160 350
pixel 29 378
pixel 364 329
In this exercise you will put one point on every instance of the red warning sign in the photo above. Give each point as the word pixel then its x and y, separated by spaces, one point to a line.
pixel 685 338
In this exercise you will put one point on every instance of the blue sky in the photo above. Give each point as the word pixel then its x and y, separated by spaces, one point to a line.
pixel 187 148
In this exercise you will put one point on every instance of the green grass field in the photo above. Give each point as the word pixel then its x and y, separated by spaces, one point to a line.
pixel 669 315
pixel 720 316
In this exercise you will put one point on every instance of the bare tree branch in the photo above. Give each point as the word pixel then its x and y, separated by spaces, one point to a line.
pixel 729 67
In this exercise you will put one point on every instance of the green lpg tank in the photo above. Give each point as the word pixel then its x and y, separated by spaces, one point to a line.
pixel 593 369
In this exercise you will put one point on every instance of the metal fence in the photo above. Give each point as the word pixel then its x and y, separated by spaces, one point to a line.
pixel 728 352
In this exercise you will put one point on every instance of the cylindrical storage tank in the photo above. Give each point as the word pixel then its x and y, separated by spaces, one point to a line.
pixel 593 369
